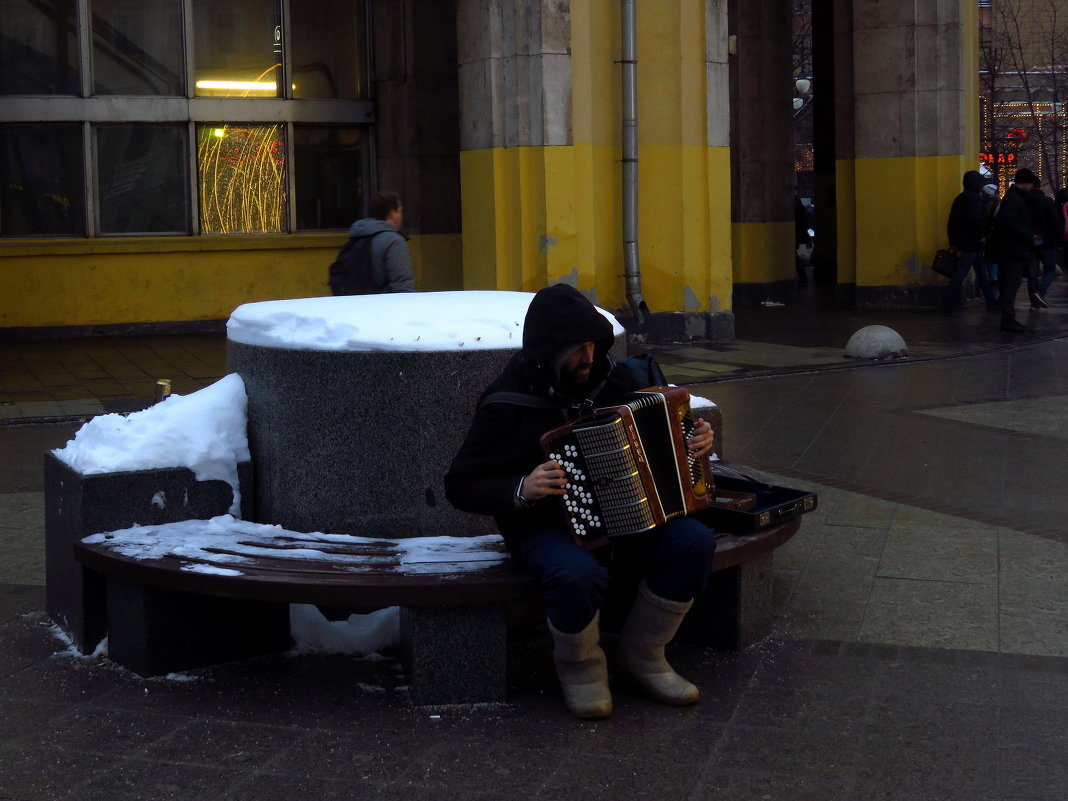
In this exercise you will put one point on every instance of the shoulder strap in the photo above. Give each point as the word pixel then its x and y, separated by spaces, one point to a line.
pixel 519 399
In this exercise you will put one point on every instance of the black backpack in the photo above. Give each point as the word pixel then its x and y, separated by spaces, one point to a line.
pixel 351 273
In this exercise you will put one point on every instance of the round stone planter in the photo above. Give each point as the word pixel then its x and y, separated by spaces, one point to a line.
pixel 352 433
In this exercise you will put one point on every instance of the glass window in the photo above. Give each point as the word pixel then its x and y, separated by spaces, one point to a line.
pixel 137 47
pixel 143 176
pixel 241 178
pixel 142 179
pixel 38 48
pixel 328 59
pixel 238 48
pixel 41 186
pixel 330 164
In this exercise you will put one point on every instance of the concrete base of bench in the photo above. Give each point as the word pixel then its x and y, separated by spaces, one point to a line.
pixel 735 611
pixel 78 505
pixel 190 605
pixel 452 655
pixel 455 655
pixel 154 631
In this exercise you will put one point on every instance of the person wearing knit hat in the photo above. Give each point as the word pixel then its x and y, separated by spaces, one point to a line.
pixel 1025 176
pixel 1015 242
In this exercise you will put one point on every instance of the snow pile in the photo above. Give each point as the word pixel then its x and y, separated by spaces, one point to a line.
pixel 357 635
pixel 205 431
pixel 408 321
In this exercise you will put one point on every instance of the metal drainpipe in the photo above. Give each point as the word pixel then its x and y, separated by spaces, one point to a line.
pixel 629 60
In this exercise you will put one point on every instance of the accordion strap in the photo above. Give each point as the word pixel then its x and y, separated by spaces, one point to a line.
pixel 520 399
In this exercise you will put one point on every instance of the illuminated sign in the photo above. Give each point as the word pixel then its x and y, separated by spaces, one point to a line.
pixel 1000 158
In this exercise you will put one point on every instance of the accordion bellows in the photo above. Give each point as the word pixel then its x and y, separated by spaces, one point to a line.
pixel 628 467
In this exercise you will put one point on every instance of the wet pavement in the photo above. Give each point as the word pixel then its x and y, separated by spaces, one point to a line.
pixel 921 649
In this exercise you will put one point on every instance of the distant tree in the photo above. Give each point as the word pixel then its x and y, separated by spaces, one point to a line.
pixel 802 39
pixel 1022 60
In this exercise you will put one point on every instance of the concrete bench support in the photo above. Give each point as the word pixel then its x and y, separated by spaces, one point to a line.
pixel 455 655
pixel 735 611
pixel 155 631
pixel 78 505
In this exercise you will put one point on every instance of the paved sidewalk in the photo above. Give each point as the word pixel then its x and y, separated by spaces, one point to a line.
pixel 921 650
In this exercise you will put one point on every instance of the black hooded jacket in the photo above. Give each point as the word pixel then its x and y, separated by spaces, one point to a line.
pixel 1013 235
pixel 968 219
pixel 502 444
pixel 1046 220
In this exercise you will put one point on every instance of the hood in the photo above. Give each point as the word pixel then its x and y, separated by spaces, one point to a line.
pixel 973 181
pixel 370 225
pixel 559 319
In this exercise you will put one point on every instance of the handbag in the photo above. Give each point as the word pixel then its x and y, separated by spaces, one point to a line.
pixel 945 262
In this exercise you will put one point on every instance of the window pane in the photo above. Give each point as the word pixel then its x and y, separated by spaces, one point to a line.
pixel 242 178
pixel 330 167
pixel 38 51
pixel 238 48
pixel 137 47
pixel 328 60
pixel 41 186
pixel 141 175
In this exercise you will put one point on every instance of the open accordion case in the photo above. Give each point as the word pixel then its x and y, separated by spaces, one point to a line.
pixel 746 500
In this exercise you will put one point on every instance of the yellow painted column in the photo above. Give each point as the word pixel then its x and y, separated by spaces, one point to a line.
pixel 762 137
pixel 542 195
pixel 915 133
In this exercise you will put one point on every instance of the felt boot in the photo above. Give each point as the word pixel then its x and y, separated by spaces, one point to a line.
pixel 651 624
pixel 583 671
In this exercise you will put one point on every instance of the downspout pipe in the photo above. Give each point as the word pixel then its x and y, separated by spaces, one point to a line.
pixel 629 61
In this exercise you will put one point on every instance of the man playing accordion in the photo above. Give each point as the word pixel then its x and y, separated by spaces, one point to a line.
pixel 565 369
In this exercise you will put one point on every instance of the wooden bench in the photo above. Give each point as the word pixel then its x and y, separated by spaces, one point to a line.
pixel 195 593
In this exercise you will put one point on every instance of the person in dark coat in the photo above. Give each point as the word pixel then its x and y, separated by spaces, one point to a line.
pixel 391 261
pixel 1015 244
pixel 967 226
pixel 1062 202
pixel 500 470
pixel 991 200
pixel 1048 227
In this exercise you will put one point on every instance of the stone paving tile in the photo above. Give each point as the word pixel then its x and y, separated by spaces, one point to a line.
pixel 267 786
pixel 136 778
pixel 1041 416
pixel 22 565
pixel 1036 625
pixel 965 554
pixel 937 614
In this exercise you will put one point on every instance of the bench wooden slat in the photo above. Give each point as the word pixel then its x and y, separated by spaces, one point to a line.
pixel 489 578
pixel 309 581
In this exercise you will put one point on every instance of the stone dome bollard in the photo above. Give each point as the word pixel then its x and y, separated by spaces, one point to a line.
pixel 357 405
pixel 876 342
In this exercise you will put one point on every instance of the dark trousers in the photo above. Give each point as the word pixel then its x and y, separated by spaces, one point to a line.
pixel 675 560
pixel 968 260
pixel 1012 272
pixel 1047 264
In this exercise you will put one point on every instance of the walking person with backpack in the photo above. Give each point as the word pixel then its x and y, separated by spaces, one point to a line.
pixel 376 258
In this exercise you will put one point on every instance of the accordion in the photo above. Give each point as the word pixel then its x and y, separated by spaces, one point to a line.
pixel 628 469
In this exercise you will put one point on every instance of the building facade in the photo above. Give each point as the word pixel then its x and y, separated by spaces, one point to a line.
pixel 167 160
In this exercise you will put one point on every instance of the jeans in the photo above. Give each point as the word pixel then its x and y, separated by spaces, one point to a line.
pixel 1047 258
pixel 675 560
pixel 968 260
